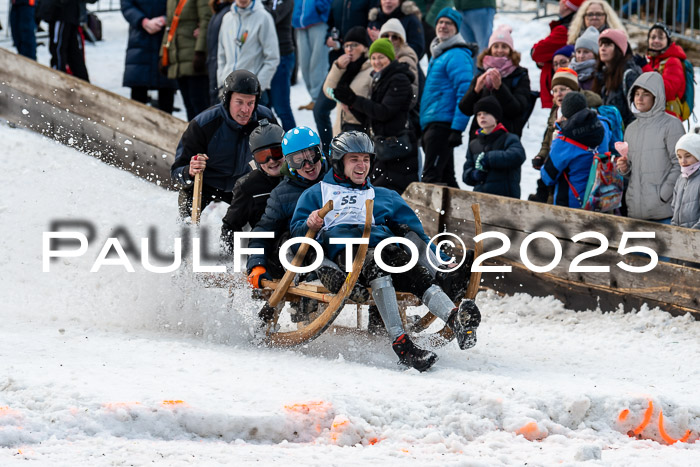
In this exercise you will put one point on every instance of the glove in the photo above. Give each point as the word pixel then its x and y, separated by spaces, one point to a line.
pixel 199 63
pixel 537 162
pixel 345 95
pixel 481 163
pixel 258 273
pixel 455 138
pixel 475 177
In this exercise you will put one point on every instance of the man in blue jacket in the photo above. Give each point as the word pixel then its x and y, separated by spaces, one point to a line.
pixel 215 143
pixel 348 186
pixel 309 19
pixel 449 75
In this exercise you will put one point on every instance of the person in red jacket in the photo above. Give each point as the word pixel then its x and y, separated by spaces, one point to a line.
pixel 543 51
pixel 666 57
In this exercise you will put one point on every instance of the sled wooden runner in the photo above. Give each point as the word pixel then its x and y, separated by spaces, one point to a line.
pixel 316 327
pixel 445 335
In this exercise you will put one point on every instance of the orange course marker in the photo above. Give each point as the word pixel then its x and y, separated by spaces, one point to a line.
pixel 665 436
pixel 623 415
pixel 645 420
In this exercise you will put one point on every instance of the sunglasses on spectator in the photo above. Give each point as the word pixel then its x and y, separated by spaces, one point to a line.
pixel 392 37
pixel 595 14
pixel 350 45
pixel 263 156
pixel 299 159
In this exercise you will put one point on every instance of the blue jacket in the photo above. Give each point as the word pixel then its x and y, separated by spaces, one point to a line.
pixel 143 49
pixel 214 133
pixel 310 12
pixel 278 213
pixel 389 209
pixel 448 79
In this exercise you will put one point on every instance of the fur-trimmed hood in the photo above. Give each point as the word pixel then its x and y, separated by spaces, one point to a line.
pixel 408 7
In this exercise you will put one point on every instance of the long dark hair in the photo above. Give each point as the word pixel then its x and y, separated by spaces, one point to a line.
pixel 611 74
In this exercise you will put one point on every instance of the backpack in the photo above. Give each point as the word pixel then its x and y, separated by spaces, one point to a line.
pixel 685 105
pixel 605 185
pixel 612 115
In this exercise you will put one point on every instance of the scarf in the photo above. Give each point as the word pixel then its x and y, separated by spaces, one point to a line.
pixel 584 69
pixel 437 47
pixel 686 172
pixel 504 65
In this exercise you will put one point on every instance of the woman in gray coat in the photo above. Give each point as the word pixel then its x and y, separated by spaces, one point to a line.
pixel 651 166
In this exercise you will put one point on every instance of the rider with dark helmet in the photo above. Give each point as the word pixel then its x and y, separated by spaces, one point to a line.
pixel 251 192
pixel 347 185
pixel 216 142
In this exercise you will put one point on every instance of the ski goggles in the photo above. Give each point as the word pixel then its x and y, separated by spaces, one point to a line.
pixel 298 159
pixel 263 156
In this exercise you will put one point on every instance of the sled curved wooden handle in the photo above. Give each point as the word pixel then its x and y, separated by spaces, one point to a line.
pixel 288 277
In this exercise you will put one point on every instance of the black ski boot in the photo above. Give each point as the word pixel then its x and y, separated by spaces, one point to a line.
pixel 463 322
pixel 333 279
pixel 455 282
pixel 413 356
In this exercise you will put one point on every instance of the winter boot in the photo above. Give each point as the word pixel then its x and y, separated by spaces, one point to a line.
pixel 455 282
pixel 413 356
pixel 463 322
pixel 333 279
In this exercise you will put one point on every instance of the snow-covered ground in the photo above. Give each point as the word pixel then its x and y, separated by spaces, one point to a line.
pixel 119 368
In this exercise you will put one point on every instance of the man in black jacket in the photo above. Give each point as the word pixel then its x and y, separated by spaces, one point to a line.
pixel 217 140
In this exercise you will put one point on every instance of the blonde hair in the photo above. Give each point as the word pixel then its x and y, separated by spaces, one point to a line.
pixel 578 25
pixel 514 56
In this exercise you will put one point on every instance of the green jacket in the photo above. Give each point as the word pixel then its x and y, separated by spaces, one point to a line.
pixel 461 5
pixel 195 14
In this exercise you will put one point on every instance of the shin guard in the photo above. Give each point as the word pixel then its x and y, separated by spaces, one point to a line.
pixel 384 296
pixel 438 302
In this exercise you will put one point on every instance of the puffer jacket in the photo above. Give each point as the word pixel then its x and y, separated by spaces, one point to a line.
pixel 672 70
pixel 360 84
pixel 279 211
pixel 248 41
pixel 568 159
pixel 409 15
pixel 653 166
pixel 195 15
pixel 214 133
pixel 503 156
pixel 618 97
pixel 513 95
pixel 450 73
pixel 543 51
pixel 309 12
pixel 407 55
pixel 686 202
pixel 143 49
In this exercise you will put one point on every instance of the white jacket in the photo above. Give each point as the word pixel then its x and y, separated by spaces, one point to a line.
pixel 248 41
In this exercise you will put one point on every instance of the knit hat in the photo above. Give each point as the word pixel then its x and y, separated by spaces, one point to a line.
pixel 567 77
pixel 689 142
pixel 573 5
pixel 502 34
pixel 573 102
pixel 451 14
pixel 617 37
pixel 393 25
pixel 567 51
pixel 588 40
pixel 384 47
pixel 357 34
pixel 490 105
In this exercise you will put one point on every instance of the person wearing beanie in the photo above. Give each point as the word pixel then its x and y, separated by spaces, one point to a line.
pixel 650 165
pixel 352 70
pixel 666 57
pixel 564 82
pixel 597 14
pixel 450 73
pixel 686 193
pixel 586 53
pixel 562 57
pixel 616 71
pixel 394 31
pixel 569 162
pixel 500 75
pixel 477 20
pixel 408 14
pixel 385 113
pixel 494 156
pixel 572 104
pixel 543 50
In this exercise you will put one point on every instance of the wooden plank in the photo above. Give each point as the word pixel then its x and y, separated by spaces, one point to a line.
pixel 112 128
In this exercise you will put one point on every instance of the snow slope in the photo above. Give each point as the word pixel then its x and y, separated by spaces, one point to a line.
pixel 119 368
